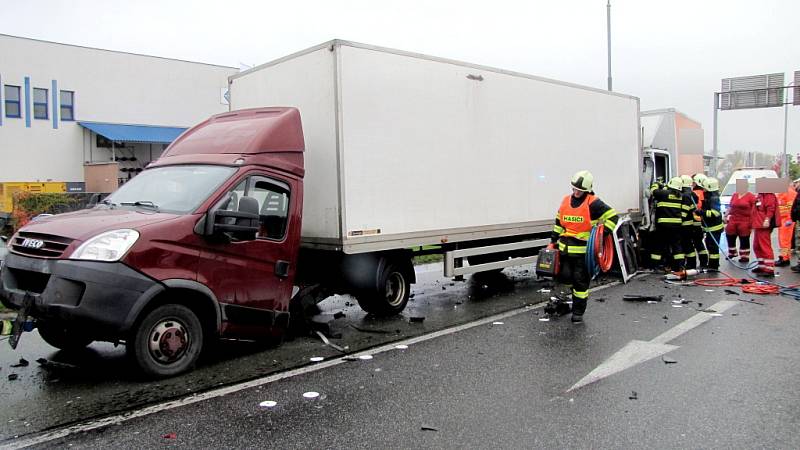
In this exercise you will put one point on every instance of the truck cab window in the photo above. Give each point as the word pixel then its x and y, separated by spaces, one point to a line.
pixel 273 202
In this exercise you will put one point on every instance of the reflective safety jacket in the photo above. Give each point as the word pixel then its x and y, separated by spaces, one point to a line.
pixel 712 218
pixel 785 201
pixel 669 205
pixel 699 195
pixel 575 219
pixel 688 205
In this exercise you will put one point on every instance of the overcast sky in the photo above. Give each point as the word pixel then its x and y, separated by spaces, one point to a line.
pixel 669 53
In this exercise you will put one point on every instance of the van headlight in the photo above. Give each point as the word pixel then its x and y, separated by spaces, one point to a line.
pixel 109 246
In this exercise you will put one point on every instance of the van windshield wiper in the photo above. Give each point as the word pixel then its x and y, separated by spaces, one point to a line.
pixel 108 203
pixel 144 203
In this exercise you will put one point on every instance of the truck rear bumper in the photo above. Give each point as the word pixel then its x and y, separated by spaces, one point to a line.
pixel 101 296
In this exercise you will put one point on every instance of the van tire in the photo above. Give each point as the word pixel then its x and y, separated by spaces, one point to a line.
pixel 391 293
pixel 62 337
pixel 167 341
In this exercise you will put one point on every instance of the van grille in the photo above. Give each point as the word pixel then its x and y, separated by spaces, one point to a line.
pixel 53 247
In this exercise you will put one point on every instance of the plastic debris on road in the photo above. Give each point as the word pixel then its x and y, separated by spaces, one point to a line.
pixel 498 323
pixel 709 290
pixel 429 428
pixel 544 291
pixel 365 357
pixel 401 347
pixel 677 306
pixel 311 394
pixel 170 436
pixel 316 359
pixel 668 360
pixel 267 404
pixel 22 363
pixel 544 319
pixel 634 395
pixel 12 376
pixel 416 319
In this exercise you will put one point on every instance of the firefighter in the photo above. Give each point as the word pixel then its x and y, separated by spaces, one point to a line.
pixel 763 221
pixel 669 221
pixel 689 204
pixel 576 216
pixel 712 222
pixel 738 218
pixel 697 232
pixel 786 230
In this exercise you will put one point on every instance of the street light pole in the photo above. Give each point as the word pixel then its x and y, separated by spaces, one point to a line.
pixel 608 28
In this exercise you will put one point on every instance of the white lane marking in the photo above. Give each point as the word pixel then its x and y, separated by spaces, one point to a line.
pixel 636 352
pixel 196 398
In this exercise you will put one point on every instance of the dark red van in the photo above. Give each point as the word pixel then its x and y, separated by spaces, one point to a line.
pixel 200 245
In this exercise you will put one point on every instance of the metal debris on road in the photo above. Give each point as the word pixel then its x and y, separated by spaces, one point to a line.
pixel 369 330
pixel 544 319
pixel 730 292
pixel 668 360
pixel 634 395
pixel 365 357
pixel 416 319
pixel 311 394
pixel 54 365
pixel 267 404
pixel 642 298
pixel 600 299
pixel 751 301
pixel 498 323
pixel 12 376
pixel 709 290
pixel 544 291
pixel 22 363
pixel 429 428
pixel 401 347
pixel 316 359
pixel 330 344
pixel 651 302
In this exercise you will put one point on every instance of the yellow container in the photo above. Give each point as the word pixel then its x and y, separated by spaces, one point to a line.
pixel 7 191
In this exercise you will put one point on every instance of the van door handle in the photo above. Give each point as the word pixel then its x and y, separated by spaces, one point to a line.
pixel 282 269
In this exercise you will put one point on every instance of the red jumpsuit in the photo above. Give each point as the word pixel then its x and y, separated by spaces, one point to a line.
pixel 739 225
pixel 763 222
pixel 786 226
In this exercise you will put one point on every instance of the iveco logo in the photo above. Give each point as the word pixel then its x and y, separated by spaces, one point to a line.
pixel 33 243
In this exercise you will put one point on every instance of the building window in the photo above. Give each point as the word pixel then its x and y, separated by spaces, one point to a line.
pixel 40 103
pixel 67 105
pixel 12 101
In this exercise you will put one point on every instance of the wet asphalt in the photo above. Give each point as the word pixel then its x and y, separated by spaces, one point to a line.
pixel 733 382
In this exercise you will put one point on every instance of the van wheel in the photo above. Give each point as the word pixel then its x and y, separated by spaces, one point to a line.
pixel 391 294
pixel 62 337
pixel 167 341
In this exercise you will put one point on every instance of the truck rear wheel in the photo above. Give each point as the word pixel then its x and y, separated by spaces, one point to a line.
pixel 63 337
pixel 391 294
pixel 167 341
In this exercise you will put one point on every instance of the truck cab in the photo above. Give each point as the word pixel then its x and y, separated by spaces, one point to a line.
pixel 202 245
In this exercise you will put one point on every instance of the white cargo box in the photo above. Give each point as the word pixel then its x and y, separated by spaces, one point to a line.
pixel 404 149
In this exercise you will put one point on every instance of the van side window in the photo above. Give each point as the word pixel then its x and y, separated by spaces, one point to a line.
pixel 273 203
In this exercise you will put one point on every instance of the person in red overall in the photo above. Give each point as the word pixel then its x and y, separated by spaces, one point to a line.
pixel 786 230
pixel 738 218
pixel 763 222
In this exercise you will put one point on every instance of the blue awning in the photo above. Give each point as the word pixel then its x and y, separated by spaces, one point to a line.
pixel 146 134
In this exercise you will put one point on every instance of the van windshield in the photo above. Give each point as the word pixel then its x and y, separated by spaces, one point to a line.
pixel 173 189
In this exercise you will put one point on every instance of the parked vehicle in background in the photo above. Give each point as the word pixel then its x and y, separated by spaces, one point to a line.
pixel 747 173
pixel 251 217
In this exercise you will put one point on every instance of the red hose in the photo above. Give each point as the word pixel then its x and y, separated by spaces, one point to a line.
pixel 604 249
pixel 748 286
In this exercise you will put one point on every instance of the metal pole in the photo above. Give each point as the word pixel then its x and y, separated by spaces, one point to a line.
pixel 713 167
pixel 785 131
pixel 608 28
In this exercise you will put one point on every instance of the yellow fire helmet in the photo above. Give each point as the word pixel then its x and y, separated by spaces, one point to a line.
pixel 711 184
pixel 675 183
pixel 582 181
pixel 699 178
pixel 687 181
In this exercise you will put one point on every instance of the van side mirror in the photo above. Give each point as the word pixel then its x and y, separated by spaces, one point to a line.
pixel 242 224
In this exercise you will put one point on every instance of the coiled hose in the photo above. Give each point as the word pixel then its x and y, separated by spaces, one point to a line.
pixel 599 251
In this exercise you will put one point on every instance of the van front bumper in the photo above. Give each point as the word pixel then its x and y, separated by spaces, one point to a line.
pixel 101 297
